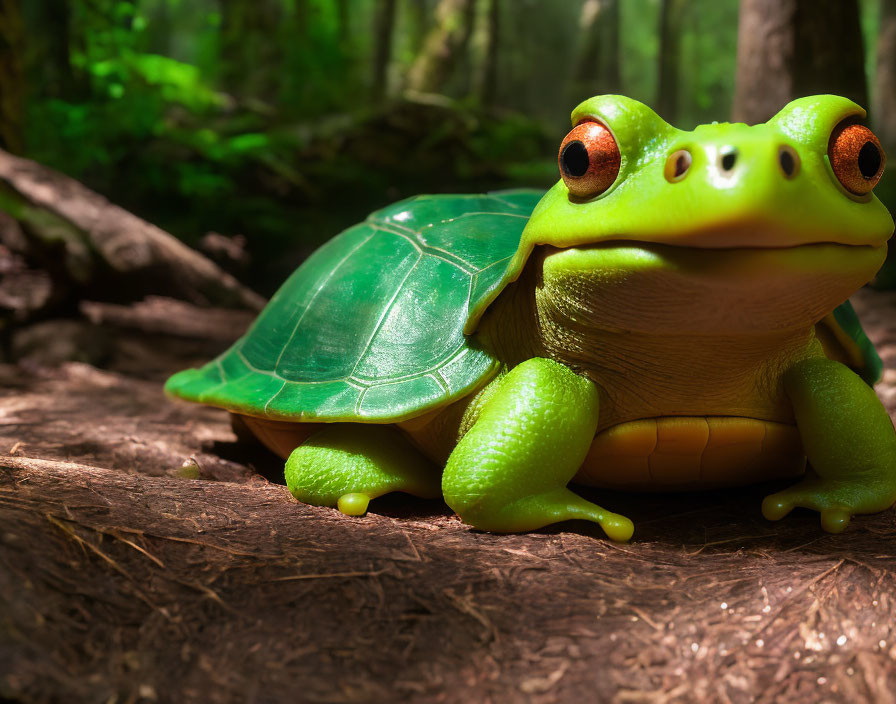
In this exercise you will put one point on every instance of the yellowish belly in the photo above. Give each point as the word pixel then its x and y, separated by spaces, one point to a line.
pixel 681 453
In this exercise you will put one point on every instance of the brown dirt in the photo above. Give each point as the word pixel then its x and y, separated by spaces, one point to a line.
pixel 146 555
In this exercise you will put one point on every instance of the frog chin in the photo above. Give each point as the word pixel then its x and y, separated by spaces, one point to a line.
pixel 651 287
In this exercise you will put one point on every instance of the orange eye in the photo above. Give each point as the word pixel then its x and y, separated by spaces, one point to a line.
pixel 856 158
pixel 589 159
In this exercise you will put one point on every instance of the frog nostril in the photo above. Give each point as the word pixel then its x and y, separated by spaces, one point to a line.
pixel 677 165
pixel 728 160
pixel 788 160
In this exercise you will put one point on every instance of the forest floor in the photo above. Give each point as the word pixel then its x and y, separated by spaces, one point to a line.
pixel 146 555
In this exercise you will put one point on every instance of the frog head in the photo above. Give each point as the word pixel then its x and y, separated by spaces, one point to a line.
pixel 758 227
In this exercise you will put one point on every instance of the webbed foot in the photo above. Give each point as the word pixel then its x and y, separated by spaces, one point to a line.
pixel 509 472
pixel 849 440
pixel 837 500
pixel 537 510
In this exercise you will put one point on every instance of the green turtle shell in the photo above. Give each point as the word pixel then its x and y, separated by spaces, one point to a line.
pixel 371 327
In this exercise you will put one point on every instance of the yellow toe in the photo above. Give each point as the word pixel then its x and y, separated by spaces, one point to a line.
pixel 353 504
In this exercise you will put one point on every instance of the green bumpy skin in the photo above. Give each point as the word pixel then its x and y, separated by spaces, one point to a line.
pixel 382 326
pixel 347 465
pixel 849 440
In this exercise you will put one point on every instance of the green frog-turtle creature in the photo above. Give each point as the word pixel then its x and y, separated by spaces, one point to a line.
pixel 670 315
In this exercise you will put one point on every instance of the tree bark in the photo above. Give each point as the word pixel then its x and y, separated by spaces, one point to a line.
pixel 344 18
pixel 597 69
pixel 49 49
pixel 12 78
pixel 885 76
pixel 612 76
pixel 443 47
pixel 669 55
pixel 384 28
pixel 101 250
pixel 792 48
pixel 417 15
pixel 250 56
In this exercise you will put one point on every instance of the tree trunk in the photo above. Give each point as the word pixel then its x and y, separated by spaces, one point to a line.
pixel 792 48
pixel 885 76
pixel 418 20
pixel 12 79
pixel 612 75
pixel 249 52
pixel 444 45
pixel 344 18
pixel 49 67
pixel 669 54
pixel 384 26
pixel 588 67
pixel 488 84
pixel 597 69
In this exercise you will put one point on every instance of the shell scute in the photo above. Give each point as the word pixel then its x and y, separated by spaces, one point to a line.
pixel 415 333
pixel 322 346
pixel 371 327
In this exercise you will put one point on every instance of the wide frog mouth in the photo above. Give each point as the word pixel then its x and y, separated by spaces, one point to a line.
pixel 698 248
pixel 679 288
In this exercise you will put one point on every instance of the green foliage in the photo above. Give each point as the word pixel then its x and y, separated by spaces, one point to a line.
pixel 710 43
pixel 321 70
pixel 639 45
pixel 250 116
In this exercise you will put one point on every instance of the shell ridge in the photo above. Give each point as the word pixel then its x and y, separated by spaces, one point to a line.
pixel 268 402
pixel 456 353
pixel 379 323
pixel 441 381
pixel 452 259
pixel 493 265
pixel 359 402
pixel 406 234
pixel 219 385
pixel 254 369
pixel 314 296
pixel 443 254
pixel 391 226
pixel 486 212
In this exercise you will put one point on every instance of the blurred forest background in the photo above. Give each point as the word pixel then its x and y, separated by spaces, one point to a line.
pixel 143 555
pixel 275 123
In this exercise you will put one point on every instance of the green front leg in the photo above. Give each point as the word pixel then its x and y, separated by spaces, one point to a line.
pixel 849 440
pixel 509 472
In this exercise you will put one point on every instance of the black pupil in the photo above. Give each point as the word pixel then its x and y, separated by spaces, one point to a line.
pixel 787 163
pixel 869 160
pixel 574 159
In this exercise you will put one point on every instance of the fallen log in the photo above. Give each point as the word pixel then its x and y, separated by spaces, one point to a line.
pixel 170 317
pixel 103 248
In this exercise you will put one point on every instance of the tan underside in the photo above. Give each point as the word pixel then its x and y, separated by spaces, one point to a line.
pixel 692 452
pixel 280 437
pixel 650 454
